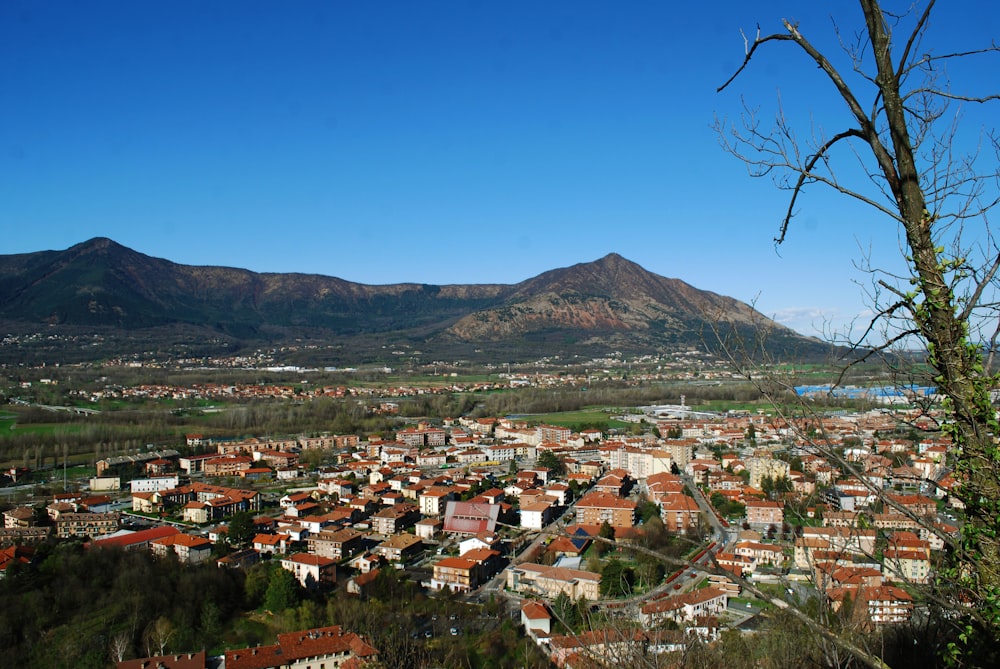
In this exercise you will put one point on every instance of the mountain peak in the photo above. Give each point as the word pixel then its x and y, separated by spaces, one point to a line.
pixel 97 243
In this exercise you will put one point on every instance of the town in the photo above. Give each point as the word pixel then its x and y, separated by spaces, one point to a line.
pixel 598 543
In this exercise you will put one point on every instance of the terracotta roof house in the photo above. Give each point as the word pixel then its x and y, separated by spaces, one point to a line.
pixel 709 601
pixel 188 549
pixel 400 547
pixel 136 540
pixel 311 569
pixel 457 574
pixel 536 618
pixel 325 646
pixel 271 543
pixel 175 661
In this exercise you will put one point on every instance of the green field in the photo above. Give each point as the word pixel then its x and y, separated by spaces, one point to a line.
pixel 582 417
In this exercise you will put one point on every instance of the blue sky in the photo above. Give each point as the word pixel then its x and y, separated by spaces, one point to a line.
pixel 434 142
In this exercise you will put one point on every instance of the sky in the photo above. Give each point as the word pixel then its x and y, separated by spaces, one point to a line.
pixel 437 142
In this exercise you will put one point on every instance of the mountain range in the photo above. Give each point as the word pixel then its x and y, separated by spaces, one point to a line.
pixel 134 301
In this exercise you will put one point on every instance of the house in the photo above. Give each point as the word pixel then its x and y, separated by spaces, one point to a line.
pixel 134 541
pixel 731 562
pixel 568 546
pixel 310 569
pixel 154 483
pixel 550 581
pixel 271 543
pixel 195 512
pixel 428 528
pixel 243 559
pixel 536 618
pixel 293 499
pixel 336 545
pixel 886 605
pixel 489 561
pixel 906 558
pixel 188 549
pixel 710 601
pixel 360 584
pixel 538 514
pixel 12 555
pixel 760 554
pixel 873 606
pixel 56 509
pixel 220 502
pixel 329 647
pixel 844 539
pixel 400 547
pixel 433 500
pixel 919 505
pixel 457 574
pixel 175 661
pixel 595 649
pixel 366 562
pixel 260 473
pixel 21 516
pixel 395 518
pixel 227 465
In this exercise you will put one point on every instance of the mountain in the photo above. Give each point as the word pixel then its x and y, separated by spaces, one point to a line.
pixel 611 304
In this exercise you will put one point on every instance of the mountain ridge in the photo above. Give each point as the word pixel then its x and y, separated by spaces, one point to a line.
pixel 611 302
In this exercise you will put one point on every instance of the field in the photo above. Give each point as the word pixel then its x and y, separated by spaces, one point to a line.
pixel 595 417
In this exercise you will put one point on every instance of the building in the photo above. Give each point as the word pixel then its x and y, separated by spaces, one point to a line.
pixel 154 483
pixel 336 545
pixel 536 618
pixel 762 514
pixel 547 581
pixel 595 508
pixel 471 518
pixel 428 528
pixel 679 512
pixel 274 544
pixel 310 570
pixel 395 518
pixel 400 547
pixel 324 647
pixel 433 500
pixel 536 515
pixel 87 524
pixel 175 661
pixel 710 601
pixel 761 468
pixel 188 549
pixel 555 434
pixel 124 462
pixel 21 516
pixel 760 554
pixel 228 465
pixel 457 574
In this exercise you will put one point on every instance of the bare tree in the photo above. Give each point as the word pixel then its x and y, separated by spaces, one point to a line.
pixel 158 635
pixel 121 644
pixel 905 135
